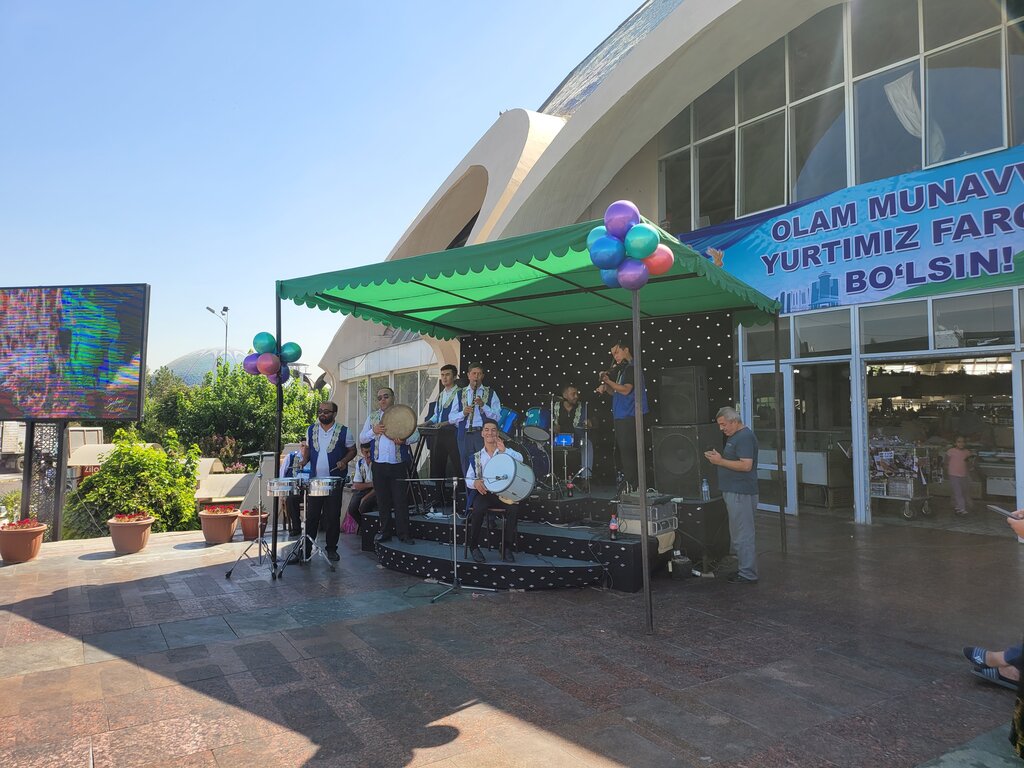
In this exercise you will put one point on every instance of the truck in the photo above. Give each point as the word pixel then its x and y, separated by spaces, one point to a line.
pixel 12 444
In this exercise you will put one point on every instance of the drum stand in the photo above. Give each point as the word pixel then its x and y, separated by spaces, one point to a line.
pixel 298 550
pixel 456 584
pixel 259 542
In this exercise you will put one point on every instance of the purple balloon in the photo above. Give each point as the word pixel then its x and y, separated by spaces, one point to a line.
pixel 281 376
pixel 633 274
pixel 607 252
pixel 610 277
pixel 250 363
pixel 620 217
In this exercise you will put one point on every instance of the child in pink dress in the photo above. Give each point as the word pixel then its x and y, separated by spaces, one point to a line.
pixel 958 474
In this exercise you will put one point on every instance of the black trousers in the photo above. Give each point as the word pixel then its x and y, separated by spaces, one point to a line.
pixel 625 441
pixel 483 502
pixel 444 462
pixel 325 510
pixel 389 483
pixel 294 521
pixel 361 503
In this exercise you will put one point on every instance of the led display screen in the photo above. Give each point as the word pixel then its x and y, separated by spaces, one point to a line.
pixel 73 352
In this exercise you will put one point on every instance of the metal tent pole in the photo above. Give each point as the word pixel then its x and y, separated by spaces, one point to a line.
pixel 641 462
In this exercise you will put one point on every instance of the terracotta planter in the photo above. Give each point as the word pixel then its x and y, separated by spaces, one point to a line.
pixel 251 529
pixel 129 536
pixel 19 545
pixel 218 528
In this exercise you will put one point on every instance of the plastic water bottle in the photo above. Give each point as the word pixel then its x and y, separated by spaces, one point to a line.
pixel 613 528
pixel 705 490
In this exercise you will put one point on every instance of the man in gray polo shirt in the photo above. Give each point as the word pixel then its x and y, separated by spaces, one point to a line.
pixel 737 479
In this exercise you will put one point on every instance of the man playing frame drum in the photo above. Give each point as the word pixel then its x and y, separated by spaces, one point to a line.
pixel 482 499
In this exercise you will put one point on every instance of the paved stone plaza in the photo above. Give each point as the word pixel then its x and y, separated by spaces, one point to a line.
pixel 846 654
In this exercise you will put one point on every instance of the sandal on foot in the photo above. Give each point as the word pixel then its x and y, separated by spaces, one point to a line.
pixel 992 675
pixel 975 655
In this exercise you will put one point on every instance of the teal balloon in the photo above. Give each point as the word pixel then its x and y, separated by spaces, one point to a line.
pixel 595 233
pixel 264 342
pixel 290 352
pixel 610 277
pixel 607 252
pixel 641 240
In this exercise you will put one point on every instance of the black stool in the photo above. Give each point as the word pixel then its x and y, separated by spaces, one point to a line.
pixel 492 515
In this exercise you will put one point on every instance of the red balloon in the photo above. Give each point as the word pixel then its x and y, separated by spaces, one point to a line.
pixel 661 261
pixel 268 363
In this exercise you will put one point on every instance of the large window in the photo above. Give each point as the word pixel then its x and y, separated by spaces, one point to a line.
pixel 980 320
pixel 888 123
pixel 963 110
pixel 823 333
pixel 894 327
pixel 924 88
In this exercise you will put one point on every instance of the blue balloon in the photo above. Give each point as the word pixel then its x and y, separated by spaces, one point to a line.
pixel 596 232
pixel 641 241
pixel 610 277
pixel 607 252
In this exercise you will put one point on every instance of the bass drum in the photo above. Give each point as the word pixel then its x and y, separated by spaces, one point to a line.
pixel 533 456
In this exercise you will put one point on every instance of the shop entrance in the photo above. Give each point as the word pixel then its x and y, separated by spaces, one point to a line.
pixel 916 410
pixel 823 437
pixel 763 413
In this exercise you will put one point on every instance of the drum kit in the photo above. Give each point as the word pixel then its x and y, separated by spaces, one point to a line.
pixel 538 443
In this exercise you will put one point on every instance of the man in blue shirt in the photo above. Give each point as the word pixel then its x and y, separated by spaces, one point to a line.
pixel 737 479
pixel 618 383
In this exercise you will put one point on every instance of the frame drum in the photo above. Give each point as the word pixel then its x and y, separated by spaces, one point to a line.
pixel 507 478
pixel 399 422
pixel 323 486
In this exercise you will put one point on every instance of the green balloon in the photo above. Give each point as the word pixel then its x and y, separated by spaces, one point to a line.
pixel 264 342
pixel 290 352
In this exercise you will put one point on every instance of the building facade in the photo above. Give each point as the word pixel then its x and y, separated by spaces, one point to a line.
pixel 860 161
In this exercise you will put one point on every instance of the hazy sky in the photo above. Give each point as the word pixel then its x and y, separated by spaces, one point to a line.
pixel 211 148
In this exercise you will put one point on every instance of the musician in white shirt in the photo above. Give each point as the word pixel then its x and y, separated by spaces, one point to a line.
pixel 474 404
pixel 483 500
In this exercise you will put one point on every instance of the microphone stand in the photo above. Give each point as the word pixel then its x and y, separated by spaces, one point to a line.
pixel 456 585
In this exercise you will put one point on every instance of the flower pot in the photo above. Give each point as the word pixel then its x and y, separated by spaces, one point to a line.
pixel 253 526
pixel 129 536
pixel 19 545
pixel 218 528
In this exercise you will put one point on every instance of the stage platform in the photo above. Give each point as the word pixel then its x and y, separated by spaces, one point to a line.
pixel 548 555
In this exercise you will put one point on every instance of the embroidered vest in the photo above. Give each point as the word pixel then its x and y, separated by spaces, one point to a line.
pixel 335 447
pixel 443 410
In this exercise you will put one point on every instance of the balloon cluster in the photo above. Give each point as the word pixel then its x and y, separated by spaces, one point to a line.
pixel 627 251
pixel 266 360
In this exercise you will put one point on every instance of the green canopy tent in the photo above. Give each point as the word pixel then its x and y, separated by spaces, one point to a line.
pixel 530 282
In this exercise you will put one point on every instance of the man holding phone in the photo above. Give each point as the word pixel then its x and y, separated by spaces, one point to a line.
pixel 737 479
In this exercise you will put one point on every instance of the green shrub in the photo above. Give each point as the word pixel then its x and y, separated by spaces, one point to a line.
pixel 11 501
pixel 137 478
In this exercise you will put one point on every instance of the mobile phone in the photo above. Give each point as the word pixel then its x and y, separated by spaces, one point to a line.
pixel 1000 510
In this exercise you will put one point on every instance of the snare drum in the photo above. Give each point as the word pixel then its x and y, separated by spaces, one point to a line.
pixel 507 421
pixel 565 440
pixel 323 486
pixel 537 424
pixel 284 486
pixel 507 478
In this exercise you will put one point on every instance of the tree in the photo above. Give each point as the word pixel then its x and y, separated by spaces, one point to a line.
pixel 161 412
pixel 235 412
pixel 137 478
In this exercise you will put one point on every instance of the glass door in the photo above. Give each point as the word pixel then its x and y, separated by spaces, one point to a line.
pixel 769 420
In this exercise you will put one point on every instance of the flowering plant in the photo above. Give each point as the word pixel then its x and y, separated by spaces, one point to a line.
pixel 253 512
pixel 28 522
pixel 220 509
pixel 130 517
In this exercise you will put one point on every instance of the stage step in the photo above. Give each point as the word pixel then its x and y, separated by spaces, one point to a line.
pixel 582 546
pixel 433 560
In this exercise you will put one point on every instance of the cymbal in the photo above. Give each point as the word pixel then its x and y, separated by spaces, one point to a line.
pixel 257 454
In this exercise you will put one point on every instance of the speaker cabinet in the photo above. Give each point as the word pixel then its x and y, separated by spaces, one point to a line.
pixel 679 463
pixel 703 532
pixel 683 397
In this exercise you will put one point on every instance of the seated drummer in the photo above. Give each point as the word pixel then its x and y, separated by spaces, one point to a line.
pixel 482 500
pixel 328 449
pixel 364 499
pixel 572 419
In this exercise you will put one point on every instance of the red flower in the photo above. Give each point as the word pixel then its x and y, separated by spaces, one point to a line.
pixel 122 517
pixel 252 512
pixel 28 522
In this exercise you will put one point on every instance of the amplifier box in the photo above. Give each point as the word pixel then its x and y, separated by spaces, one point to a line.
pixel 654 512
pixel 653 498
pixel 654 527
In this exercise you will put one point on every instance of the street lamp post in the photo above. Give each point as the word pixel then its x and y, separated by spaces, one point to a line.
pixel 223 315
